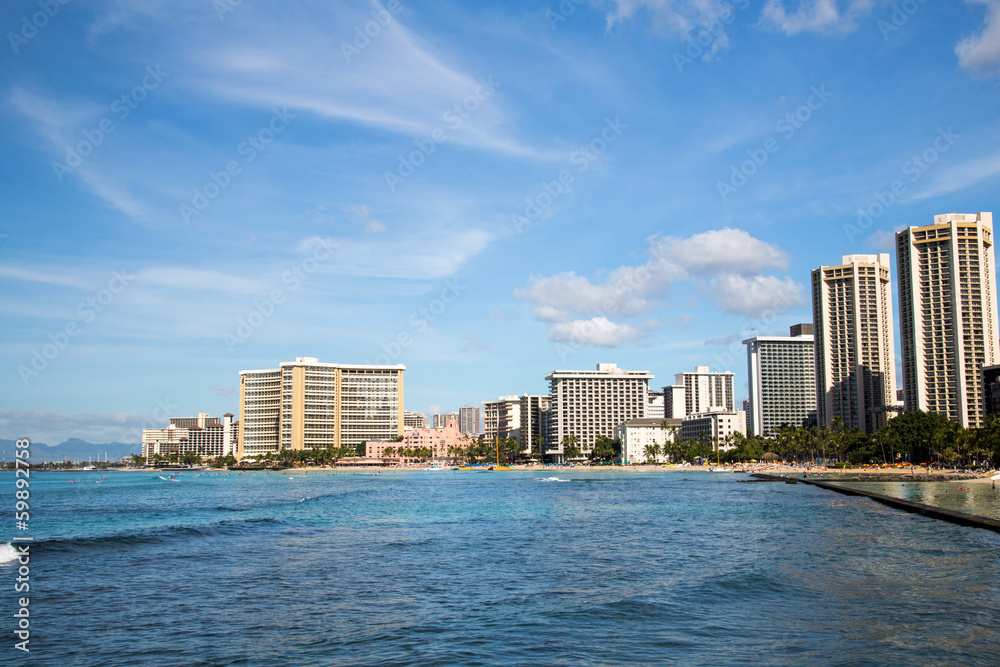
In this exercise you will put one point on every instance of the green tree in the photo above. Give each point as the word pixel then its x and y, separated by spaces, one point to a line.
pixel 652 452
pixel 571 447
pixel 606 450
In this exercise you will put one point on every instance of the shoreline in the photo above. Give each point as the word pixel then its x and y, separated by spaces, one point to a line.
pixel 921 473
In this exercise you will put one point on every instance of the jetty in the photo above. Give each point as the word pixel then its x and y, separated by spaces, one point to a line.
pixel 961 518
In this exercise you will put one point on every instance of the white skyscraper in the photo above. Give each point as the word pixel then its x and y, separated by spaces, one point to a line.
pixel 699 391
pixel 781 380
pixel 586 404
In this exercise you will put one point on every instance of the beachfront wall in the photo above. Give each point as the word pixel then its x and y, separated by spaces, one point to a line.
pixel 637 434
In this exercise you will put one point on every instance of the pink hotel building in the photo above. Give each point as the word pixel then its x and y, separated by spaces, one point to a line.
pixel 438 440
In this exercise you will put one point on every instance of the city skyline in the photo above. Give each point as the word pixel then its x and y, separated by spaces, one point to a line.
pixel 484 194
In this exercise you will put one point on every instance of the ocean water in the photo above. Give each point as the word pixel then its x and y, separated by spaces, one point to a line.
pixel 961 496
pixel 500 568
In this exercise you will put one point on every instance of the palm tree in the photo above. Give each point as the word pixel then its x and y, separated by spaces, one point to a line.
pixel 651 452
pixel 571 447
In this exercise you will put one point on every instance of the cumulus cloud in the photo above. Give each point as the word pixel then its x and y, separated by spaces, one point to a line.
pixel 824 16
pixel 598 331
pixel 556 298
pixel 728 264
pixel 754 296
pixel 721 250
pixel 979 54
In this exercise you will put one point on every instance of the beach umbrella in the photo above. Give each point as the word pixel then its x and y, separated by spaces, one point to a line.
pixel 995 477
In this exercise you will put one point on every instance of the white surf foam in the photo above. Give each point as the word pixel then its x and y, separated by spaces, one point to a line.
pixel 8 553
pixel 552 479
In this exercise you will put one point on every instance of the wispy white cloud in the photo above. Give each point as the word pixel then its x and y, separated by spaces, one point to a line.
pixel 959 177
pixel 362 216
pixel 198 280
pixel 405 257
pixel 48 276
pixel 394 81
pixel 979 54
pixel 676 16
pixel 824 16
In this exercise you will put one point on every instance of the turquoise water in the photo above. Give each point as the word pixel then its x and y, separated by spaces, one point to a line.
pixel 981 499
pixel 501 568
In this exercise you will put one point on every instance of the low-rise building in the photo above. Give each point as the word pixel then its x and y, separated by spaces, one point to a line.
pixel 637 434
pixel 717 425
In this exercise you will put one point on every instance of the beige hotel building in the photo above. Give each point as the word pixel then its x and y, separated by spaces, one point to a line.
pixel 855 352
pixel 304 404
pixel 948 314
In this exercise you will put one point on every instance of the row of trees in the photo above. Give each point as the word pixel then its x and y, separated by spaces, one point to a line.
pixel 913 437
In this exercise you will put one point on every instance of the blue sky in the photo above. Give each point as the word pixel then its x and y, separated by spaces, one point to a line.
pixel 484 192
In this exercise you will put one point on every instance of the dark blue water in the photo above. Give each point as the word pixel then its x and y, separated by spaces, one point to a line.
pixel 502 568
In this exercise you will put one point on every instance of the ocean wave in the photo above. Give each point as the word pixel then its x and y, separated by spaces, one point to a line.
pixel 157 535
pixel 8 554
pixel 552 479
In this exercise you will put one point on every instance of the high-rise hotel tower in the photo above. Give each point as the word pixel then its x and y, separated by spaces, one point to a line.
pixel 855 352
pixel 304 404
pixel 948 314
pixel 781 381
pixel 588 404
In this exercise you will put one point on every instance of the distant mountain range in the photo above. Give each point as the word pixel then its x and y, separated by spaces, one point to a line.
pixel 73 449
